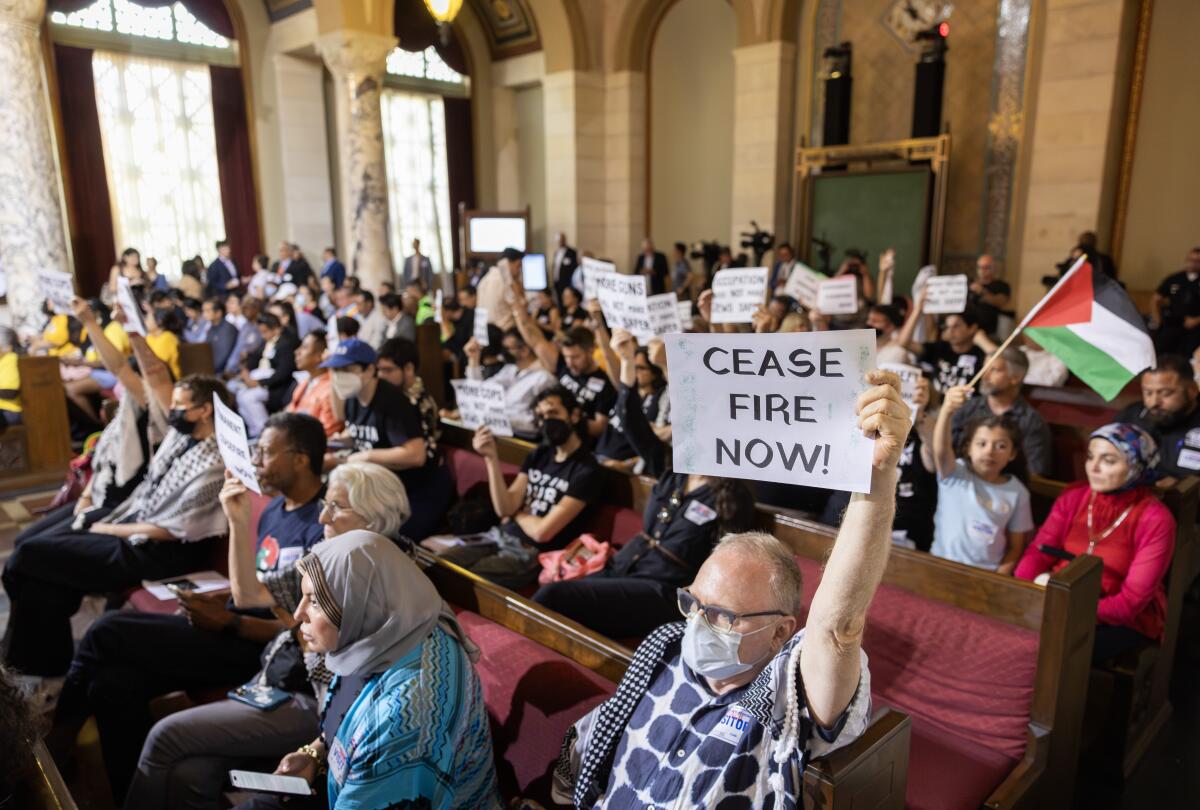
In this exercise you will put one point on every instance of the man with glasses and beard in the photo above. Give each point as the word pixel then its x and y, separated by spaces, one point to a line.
pixel 1169 413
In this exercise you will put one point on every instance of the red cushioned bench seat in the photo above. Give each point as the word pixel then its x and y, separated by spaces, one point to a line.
pixel 533 696
pixel 967 682
pixel 469 469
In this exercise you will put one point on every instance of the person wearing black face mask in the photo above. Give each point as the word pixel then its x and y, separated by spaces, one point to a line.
pixel 1168 412
pixel 165 528
pixel 547 504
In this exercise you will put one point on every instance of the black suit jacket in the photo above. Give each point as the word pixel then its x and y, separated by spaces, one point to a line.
pixel 658 279
pixel 222 338
pixel 283 365
pixel 570 261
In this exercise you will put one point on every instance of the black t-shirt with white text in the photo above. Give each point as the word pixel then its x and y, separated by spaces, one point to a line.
pixel 549 481
pixel 593 390
pixel 1183 298
pixel 950 368
pixel 612 442
pixel 389 420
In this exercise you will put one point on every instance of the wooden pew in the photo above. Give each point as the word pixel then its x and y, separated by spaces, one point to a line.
pixel 870 772
pixel 1122 728
pixel 38 451
pixel 1063 614
pixel 45 788
pixel 431 366
pixel 195 358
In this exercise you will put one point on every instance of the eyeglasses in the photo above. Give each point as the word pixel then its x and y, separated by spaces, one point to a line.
pixel 718 618
pixel 326 504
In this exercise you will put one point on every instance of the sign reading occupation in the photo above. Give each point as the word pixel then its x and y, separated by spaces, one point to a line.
pixel 803 284
pixel 129 305
pixel 623 302
pixel 235 449
pixel 945 295
pixel 774 407
pixel 59 289
pixel 838 296
pixel 663 311
pixel 592 270
pixel 737 293
pixel 481 402
pixel 480 326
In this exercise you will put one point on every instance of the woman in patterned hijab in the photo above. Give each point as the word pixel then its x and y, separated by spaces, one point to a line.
pixel 1116 516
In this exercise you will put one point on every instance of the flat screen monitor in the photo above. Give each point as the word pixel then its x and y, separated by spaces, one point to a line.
pixel 533 270
pixel 494 234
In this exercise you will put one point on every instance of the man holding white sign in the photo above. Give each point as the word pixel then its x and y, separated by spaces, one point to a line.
pixel 786 694
pixel 737 293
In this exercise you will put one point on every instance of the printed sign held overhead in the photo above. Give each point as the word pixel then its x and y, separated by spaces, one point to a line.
pixel 623 302
pixel 592 270
pixel 738 292
pixel 838 296
pixel 663 311
pixel 234 447
pixel 481 326
pixel 59 289
pixel 481 402
pixel 945 295
pixel 803 284
pixel 134 324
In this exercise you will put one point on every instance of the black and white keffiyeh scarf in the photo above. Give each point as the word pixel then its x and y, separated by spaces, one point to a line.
pixel 179 492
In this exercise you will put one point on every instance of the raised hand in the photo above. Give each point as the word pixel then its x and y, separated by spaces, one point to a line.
pixel 624 344
pixel 883 413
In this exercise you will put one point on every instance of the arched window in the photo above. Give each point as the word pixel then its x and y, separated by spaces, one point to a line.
pixel 171 23
pixel 414 139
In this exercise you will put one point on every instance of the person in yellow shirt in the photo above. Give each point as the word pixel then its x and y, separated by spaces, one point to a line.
pixel 163 340
pixel 56 339
pixel 10 378
pixel 82 391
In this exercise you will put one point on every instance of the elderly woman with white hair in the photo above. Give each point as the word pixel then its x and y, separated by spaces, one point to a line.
pixel 187 755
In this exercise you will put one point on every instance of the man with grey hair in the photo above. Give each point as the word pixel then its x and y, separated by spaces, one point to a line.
pixel 1001 389
pixel 727 707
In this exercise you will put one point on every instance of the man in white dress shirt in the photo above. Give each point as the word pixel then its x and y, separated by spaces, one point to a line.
pixel 523 379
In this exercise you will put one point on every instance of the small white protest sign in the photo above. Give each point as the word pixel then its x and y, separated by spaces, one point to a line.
pixel 623 302
pixel 592 270
pixel 663 311
pixel 129 305
pixel 945 295
pixel 437 306
pixel 481 402
pixel 481 326
pixel 838 296
pixel 234 447
pixel 910 376
pixel 738 292
pixel 803 284
pixel 772 407
pixel 59 289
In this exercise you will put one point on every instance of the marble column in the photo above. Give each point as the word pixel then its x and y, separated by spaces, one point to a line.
pixel 357 60
pixel 32 235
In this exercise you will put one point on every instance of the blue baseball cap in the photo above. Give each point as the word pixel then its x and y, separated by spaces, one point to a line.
pixel 349 352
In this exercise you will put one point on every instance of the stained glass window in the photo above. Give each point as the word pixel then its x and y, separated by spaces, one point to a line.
pixel 171 23
pixel 426 64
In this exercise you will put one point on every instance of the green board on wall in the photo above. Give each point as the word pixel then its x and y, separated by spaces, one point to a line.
pixel 872 211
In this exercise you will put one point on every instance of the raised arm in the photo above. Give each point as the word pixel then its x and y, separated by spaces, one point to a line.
pixel 612 363
pixel 638 430
pixel 830 661
pixel 155 374
pixel 943 441
pixel 110 355
pixel 247 591
pixel 905 336
pixel 506 498
pixel 531 333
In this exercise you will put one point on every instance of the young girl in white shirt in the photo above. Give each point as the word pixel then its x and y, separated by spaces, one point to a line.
pixel 983 514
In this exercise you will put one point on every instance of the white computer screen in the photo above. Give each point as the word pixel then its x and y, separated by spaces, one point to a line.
pixel 533 271
pixel 494 234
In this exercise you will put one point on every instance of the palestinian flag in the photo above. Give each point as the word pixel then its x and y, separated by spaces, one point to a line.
pixel 1090 324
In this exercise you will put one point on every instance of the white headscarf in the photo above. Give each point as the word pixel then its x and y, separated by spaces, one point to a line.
pixel 377 597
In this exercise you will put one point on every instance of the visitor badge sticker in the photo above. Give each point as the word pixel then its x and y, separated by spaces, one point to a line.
pixel 772 407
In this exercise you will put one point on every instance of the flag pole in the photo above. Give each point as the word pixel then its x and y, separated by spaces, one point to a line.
pixel 1036 309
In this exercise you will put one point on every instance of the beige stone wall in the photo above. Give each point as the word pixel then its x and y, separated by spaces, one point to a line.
pixel 1075 122
pixel 1163 215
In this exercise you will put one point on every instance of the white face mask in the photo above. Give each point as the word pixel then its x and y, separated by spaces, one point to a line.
pixel 712 654
pixel 346 384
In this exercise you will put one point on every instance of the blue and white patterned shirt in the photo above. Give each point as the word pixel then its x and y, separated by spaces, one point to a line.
pixel 685 747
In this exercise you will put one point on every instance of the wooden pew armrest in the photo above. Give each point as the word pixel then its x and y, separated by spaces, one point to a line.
pixel 870 772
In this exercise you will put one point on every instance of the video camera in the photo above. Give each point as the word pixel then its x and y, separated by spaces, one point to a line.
pixel 758 241
pixel 709 252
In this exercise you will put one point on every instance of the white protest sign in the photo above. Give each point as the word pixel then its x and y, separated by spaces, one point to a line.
pixel 663 311
pixel 803 284
pixel 129 305
pixel 772 407
pixel 480 325
pixel 738 292
pixel 437 306
pixel 923 275
pixel 623 302
pixel 482 403
pixel 59 289
pixel 910 377
pixel 838 296
pixel 592 270
pixel 686 318
pixel 235 449
pixel 945 295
